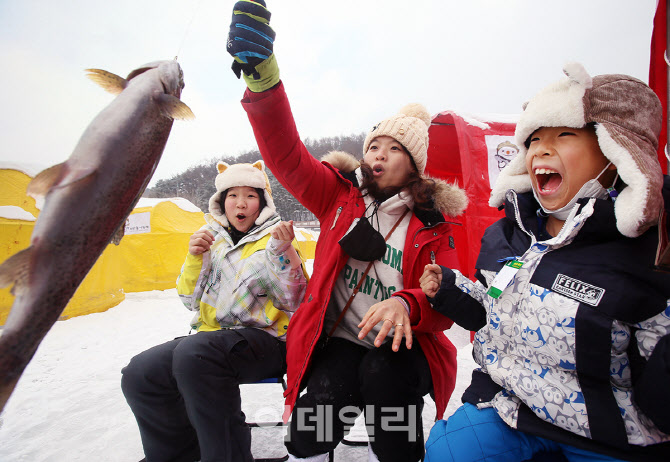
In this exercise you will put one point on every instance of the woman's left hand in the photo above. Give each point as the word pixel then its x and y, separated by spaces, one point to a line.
pixel 391 313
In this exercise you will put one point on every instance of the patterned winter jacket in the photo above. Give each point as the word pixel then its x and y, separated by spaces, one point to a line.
pixel 577 346
pixel 257 282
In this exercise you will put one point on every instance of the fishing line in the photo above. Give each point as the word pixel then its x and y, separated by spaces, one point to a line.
pixel 188 29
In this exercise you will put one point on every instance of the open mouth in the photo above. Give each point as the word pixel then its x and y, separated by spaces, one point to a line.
pixel 241 216
pixel 548 180
pixel 377 169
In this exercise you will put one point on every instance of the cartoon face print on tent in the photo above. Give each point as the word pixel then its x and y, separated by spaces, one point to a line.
pixel 505 152
pixel 501 151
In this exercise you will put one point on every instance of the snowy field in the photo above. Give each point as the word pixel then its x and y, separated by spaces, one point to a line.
pixel 68 405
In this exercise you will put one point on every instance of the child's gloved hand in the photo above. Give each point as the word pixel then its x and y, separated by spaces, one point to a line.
pixel 250 42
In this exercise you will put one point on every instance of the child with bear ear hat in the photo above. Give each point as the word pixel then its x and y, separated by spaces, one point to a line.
pixel 244 278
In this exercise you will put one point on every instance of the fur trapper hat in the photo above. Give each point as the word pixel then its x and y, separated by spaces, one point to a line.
pixel 252 175
pixel 628 117
pixel 408 127
pixel 449 199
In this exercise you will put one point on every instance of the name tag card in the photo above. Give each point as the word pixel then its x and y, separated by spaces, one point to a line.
pixel 504 277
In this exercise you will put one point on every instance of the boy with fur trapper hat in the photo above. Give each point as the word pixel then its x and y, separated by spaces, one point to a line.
pixel 351 343
pixel 572 320
pixel 244 279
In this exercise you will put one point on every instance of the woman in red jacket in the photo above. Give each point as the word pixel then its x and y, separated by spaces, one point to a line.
pixel 351 342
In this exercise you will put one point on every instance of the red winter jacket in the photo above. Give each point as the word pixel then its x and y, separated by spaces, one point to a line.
pixel 336 201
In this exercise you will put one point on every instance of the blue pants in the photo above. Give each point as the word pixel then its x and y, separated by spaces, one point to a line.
pixel 472 435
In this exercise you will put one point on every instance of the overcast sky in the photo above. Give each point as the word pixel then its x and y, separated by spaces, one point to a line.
pixel 346 64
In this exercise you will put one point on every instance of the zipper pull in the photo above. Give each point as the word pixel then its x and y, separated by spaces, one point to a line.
pixel 337 215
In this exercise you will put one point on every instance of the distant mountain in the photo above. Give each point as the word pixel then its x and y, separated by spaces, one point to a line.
pixel 197 183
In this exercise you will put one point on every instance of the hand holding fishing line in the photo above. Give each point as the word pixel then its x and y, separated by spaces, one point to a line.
pixel 250 43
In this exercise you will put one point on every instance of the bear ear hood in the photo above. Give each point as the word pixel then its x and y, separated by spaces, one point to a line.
pixel 449 199
pixel 230 176
pixel 627 115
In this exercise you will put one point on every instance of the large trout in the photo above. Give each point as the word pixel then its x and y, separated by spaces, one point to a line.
pixel 87 199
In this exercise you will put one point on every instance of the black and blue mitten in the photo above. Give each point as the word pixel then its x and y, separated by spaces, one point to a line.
pixel 250 42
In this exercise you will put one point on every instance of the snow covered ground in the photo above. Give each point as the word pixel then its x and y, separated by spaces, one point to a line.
pixel 68 405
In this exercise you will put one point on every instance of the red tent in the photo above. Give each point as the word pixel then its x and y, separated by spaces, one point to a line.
pixel 470 153
pixel 658 80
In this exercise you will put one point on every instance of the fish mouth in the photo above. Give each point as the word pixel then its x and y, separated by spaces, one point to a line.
pixel 548 180
pixel 240 216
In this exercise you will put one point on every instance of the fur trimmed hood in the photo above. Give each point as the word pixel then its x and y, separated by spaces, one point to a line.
pixel 627 115
pixel 449 199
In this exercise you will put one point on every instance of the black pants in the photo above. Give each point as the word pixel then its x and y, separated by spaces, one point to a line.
pixel 186 398
pixel 346 378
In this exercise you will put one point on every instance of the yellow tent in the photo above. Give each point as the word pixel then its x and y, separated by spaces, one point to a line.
pixel 17 212
pixel 102 287
pixel 156 242
pixel 148 258
pixel 13 183
pixel 306 238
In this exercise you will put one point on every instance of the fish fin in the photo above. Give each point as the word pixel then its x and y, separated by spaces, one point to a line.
pixel 118 234
pixel 15 271
pixel 173 107
pixel 44 181
pixel 52 178
pixel 111 83
pixel 138 71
